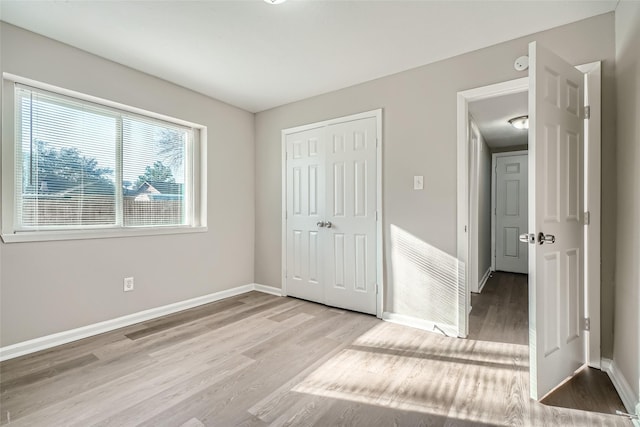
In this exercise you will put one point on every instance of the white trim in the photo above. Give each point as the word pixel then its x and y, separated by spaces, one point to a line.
pixel 271 290
pixel 45 236
pixel 621 385
pixel 377 114
pixel 283 228
pixel 414 322
pixel 64 337
pixel 474 190
pixel 484 279
pixel 592 203
pixel 380 228
pixel 494 177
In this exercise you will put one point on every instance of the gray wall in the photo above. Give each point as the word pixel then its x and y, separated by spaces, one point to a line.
pixel 484 210
pixel 49 287
pixel 627 297
pixel 419 134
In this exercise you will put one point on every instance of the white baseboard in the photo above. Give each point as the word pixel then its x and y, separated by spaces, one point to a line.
pixel 630 401
pixel 484 279
pixel 414 322
pixel 48 341
pixel 267 289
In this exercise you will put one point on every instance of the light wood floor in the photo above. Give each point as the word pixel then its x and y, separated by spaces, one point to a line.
pixel 258 360
pixel 500 314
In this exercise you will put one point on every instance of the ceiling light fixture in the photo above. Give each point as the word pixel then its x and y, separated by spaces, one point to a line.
pixel 520 122
pixel 274 1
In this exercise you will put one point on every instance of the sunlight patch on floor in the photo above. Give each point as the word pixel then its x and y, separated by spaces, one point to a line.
pixel 393 366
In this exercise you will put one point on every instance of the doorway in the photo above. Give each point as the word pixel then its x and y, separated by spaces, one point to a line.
pixel 332 244
pixel 552 266
pixel 498 174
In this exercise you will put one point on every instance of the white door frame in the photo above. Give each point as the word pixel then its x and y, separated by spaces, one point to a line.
pixel 474 208
pixel 592 186
pixel 494 158
pixel 377 114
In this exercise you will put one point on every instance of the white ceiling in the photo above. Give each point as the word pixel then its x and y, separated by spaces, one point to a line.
pixel 492 117
pixel 258 56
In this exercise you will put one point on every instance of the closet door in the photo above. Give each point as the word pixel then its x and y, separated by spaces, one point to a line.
pixel 305 202
pixel 350 252
pixel 331 221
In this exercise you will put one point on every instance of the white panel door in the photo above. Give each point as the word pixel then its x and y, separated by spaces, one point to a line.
pixel 511 213
pixel 305 208
pixel 556 140
pixel 351 210
pixel 331 224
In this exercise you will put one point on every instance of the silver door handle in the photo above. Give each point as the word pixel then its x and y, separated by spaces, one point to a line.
pixel 546 238
pixel 321 224
pixel 328 224
pixel 528 238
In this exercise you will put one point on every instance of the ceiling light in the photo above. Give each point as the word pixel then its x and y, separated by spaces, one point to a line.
pixel 521 122
pixel 274 1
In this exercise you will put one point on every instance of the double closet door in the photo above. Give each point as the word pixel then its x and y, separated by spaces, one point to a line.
pixel 331 201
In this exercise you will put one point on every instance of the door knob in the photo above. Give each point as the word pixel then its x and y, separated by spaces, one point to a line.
pixel 546 238
pixel 328 224
pixel 321 223
pixel 528 238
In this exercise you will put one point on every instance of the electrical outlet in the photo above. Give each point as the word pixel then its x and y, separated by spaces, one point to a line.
pixel 128 284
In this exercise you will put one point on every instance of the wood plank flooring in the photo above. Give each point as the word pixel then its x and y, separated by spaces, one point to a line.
pixel 260 360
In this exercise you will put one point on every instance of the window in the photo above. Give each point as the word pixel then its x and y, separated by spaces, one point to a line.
pixel 95 168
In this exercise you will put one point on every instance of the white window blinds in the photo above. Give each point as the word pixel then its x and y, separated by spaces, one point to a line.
pixel 85 165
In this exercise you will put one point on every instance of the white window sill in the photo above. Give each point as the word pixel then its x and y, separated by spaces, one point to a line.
pixel 44 236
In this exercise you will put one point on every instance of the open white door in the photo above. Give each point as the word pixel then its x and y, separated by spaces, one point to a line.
pixel 556 256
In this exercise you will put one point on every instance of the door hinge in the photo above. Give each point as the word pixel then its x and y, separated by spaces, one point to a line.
pixel 587 218
pixel 376 215
pixel 587 111
pixel 377 289
pixel 587 324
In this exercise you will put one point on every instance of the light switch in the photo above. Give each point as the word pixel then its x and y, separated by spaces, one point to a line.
pixel 418 182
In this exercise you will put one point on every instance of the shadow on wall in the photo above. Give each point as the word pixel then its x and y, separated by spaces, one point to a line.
pixel 425 281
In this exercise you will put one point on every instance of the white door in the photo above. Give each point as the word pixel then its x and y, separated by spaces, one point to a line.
pixel 511 174
pixel 351 209
pixel 331 224
pixel 305 207
pixel 556 141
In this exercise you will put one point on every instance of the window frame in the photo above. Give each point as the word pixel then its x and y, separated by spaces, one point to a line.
pixel 195 207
